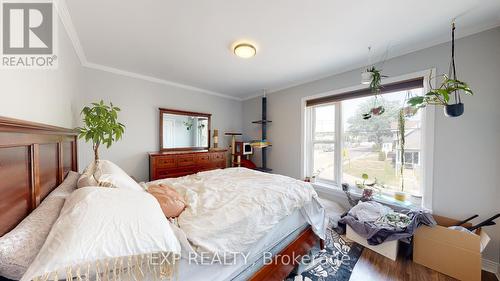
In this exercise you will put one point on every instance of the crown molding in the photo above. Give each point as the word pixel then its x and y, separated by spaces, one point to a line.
pixel 67 22
pixel 154 80
pixel 65 17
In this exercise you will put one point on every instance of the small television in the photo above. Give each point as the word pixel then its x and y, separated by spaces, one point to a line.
pixel 247 148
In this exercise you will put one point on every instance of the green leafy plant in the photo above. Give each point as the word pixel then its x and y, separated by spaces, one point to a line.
pixel 363 184
pixel 402 141
pixel 376 82
pixel 188 124
pixel 441 95
pixel 101 125
pixel 372 185
pixel 375 86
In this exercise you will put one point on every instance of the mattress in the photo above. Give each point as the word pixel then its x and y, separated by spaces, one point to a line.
pixel 240 269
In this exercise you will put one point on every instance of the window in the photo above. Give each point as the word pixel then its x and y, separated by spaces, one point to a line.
pixel 341 145
pixel 323 142
pixel 372 147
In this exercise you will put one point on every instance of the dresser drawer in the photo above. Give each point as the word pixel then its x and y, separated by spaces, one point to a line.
pixel 221 164
pixel 173 173
pixel 185 160
pixel 173 164
pixel 166 162
pixel 203 158
pixel 216 156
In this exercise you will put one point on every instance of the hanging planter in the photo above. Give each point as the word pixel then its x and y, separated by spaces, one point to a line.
pixel 449 92
pixel 376 79
pixel 454 110
pixel 366 77
pixel 410 111
pixel 373 77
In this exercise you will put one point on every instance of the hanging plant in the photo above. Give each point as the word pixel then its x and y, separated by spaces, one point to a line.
pixel 376 79
pixel 188 124
pixel 375 86
pixel 450 89
pixel 402 139
pixel 442 96
pixel 375 111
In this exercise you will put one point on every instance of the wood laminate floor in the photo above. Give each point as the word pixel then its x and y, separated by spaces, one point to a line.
pixel 374 267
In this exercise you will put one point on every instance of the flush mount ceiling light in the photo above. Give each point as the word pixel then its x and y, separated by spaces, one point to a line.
pixel 245 50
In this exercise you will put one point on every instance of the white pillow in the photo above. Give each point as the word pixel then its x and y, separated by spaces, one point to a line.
pixel 103 229
pixel 107 174
pixel 67 186
pixel 19 247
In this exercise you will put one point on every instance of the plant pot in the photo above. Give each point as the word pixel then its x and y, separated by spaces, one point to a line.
pixel 454 110
pixel 400 196
pixel 378 110
pixel 410 111
pixel 367 193
pixel 366 77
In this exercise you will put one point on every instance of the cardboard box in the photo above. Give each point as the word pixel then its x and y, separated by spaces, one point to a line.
pixel 452 252
pixel 387 249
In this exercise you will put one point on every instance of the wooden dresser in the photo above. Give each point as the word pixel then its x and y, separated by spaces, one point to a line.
pixel 174 164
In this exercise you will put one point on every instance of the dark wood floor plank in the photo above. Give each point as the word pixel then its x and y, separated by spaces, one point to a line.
pixel 375 267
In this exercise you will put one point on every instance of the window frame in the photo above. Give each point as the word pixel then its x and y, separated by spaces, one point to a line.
pixel 310 147
pixel 427 137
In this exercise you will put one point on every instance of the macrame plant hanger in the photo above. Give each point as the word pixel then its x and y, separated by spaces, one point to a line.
pixel 456 108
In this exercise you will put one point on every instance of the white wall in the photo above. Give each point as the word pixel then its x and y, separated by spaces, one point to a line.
pixel 466 151
pixel 139 101
pixel 43 96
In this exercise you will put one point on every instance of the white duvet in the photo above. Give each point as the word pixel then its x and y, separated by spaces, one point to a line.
pixel 229 210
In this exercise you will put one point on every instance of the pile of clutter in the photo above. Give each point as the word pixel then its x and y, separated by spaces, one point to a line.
pixel 379 223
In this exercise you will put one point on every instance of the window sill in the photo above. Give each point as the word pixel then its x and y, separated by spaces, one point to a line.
pixel 335 191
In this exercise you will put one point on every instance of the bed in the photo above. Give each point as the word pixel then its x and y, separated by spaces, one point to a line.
pixel 34 158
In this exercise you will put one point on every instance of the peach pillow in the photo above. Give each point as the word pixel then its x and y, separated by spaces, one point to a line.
pixel 171 202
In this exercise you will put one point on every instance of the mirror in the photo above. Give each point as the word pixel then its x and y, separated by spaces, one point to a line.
pixel 184 130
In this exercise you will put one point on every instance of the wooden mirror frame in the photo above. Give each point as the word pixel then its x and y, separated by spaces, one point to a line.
pixel 187 113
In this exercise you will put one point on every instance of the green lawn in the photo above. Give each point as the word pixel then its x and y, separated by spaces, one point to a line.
pixel 382 170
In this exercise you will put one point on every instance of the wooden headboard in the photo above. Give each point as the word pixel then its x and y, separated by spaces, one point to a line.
pixel 34 159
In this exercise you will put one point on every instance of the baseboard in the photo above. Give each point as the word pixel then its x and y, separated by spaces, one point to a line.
pixel 491 266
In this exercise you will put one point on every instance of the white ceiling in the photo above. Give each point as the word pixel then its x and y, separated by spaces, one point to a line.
pixel 188 42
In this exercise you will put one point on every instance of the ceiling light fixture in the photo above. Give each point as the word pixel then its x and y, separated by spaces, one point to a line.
pixel 245 50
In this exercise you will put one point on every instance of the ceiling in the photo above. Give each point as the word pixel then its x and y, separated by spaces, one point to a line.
pixel 188 42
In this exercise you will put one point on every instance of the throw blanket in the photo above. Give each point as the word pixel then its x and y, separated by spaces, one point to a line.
pixel 229 210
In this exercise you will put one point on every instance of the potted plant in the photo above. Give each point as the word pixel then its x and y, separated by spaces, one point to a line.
pixel 401 195
pixel 450 87
pixel 376 79
pixel 101 126
pixel 368 188
pixel 314 176
pixel 188 124
pixel 442 95
pixel 373 76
